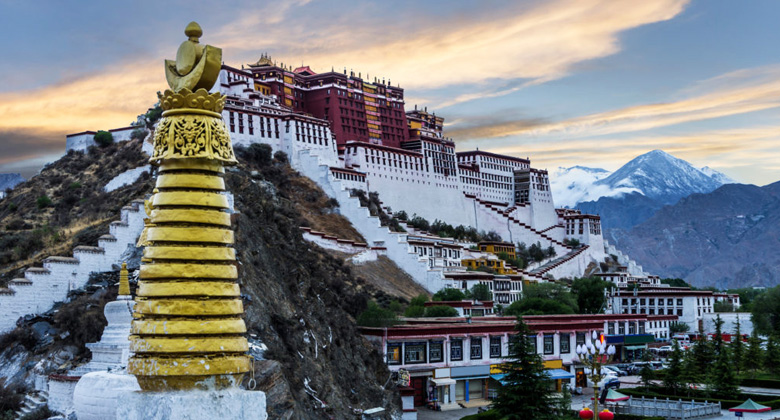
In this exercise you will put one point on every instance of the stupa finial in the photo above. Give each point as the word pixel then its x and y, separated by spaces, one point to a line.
pixel 196 66
pixel 124 283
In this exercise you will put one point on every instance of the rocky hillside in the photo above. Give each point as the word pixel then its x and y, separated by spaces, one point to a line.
pixel 727 238
pixel 300 301
pixel 65 205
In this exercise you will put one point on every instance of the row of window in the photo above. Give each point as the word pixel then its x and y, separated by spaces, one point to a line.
pixel 406 353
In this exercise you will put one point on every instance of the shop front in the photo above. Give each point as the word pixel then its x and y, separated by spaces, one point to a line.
pixel 471 382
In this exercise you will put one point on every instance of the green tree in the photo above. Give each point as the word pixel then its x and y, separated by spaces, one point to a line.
pixel 738 348
pixel 766 312
pixel 720 376
pixel 537 306
pixel 481 292
pixel 526 393
pixel 754 356
pixel 673 380
pixel 376 316
pixel 103 138
pixel 552 291
pixel 646 374
pixel 723 306
pixel 772 359
pixel 675 282
pixel 43 202
pixel 449 294
pixel 416 308
pixel 441 311
pixel 697 361
pixel 678 327
pixel 590 293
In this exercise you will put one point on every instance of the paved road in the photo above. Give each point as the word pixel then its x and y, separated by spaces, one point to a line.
pixel 425 414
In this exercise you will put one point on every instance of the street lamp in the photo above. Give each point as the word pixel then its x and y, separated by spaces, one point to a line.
pixel 594 354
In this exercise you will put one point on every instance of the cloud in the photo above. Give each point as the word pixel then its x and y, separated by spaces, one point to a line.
pixel 421 49
pixel 733 93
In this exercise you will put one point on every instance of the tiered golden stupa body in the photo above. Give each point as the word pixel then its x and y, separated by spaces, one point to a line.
pixel 188 330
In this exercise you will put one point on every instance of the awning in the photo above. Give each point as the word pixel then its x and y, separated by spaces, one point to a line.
pixel 499 377
pixel 750 407
pixel 442 381
pixel 634 347
pixel 559 374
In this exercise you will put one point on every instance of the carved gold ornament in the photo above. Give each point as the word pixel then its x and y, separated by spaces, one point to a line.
pixel 196 66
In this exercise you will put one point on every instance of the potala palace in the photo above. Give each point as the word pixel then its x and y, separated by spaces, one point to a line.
pixel 353 136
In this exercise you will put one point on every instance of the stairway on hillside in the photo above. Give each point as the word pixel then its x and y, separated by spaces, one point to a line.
pixel 32 402
pixel 540 236
pixel 369 226
pixel 543 269
pixel 42 287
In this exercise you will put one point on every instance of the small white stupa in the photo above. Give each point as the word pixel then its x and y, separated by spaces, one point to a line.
pixel 108 355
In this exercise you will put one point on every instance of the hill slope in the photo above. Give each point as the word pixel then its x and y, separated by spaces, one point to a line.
pixel 727 238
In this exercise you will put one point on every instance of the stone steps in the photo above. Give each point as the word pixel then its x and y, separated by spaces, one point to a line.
pixel 41 287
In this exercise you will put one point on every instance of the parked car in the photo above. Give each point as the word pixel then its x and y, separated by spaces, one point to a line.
pixel 636 367
pixel 618 371
pixel 611 383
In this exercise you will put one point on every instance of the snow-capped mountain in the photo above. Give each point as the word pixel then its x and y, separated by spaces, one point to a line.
pixel 718 176
pixel 656 175
pixel 661 176
pixel 578 184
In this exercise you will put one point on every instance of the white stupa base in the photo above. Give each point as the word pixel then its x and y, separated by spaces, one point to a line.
pixel 234 404
pixel 116 395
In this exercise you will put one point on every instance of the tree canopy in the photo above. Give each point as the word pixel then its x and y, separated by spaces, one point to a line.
pixel 590 293
pixel 766 312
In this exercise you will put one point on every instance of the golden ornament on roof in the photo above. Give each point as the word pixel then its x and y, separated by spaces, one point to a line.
pixel 197 66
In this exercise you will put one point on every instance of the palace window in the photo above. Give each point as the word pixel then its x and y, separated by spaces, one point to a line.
pixel 580 338
pixel 393 353
pixel 456 349
pixel 621 328
pixel 565 343
pixel 495 346
pixel 476 348
pixel 414 353
pixel 549 341
pixel 532 341
pixel 611 328
pixel 436 351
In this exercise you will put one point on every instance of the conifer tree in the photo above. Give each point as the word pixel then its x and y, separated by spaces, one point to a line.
pixel 772 359
pixel 754 356
pixel 720 378
pixel 673 380
pixel 697 361
pixel 738 348
pixel 526 391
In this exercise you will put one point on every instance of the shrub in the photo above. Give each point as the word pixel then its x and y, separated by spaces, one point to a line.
pixel 43 202
pixel 12 207
pixel 280 156
pixel 10 399
pixel 138 133
pixel 440 312
pixel 375 316
pixel 449 294
pixel 41 413
pixel 104 138
pixel 74 185
pixel 260 153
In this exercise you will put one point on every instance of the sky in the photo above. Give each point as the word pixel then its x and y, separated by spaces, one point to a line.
pixel 564 82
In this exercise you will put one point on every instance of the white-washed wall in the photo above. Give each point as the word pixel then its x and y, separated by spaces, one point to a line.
pixel 41 287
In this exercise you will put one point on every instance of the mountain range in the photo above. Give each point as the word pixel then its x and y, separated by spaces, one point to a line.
pixel 634 192
pixel 727 238
pixel 677 220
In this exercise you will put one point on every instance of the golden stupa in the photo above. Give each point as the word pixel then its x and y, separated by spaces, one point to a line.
pixel 188 330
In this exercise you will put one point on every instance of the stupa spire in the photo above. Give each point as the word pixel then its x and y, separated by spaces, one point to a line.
pixel 188 330
pixel 124 283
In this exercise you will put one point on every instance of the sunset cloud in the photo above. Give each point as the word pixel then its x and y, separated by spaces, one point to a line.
pixel 735 93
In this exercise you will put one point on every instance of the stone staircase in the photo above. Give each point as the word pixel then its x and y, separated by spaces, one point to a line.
pixel 553 264
pixel 532 234
pixel 377 236
pixel 32 402
pixel 41 287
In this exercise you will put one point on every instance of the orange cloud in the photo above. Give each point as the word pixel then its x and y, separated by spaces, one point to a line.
pixel 540 43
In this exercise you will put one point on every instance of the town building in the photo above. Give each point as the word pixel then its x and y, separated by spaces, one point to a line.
pixel 453 360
